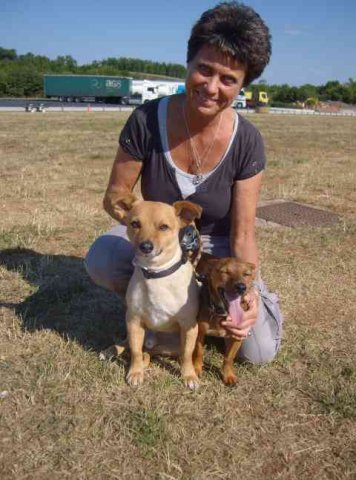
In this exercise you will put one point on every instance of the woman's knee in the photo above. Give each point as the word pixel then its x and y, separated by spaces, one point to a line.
pixel 263 344
pixel 259 351
pixel 97 267
pixel 109 259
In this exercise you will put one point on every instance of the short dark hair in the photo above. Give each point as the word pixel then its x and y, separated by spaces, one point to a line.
pixel 236 30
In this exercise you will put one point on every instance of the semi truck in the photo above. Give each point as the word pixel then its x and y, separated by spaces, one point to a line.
pixel 96 88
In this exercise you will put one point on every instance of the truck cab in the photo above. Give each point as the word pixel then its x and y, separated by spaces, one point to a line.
pixel 240 100
pixel 142 91
pixel 256 99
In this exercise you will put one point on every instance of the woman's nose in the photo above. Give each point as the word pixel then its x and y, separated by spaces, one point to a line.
pixel 211 85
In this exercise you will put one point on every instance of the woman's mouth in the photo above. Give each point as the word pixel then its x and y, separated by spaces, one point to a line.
pixel 205 100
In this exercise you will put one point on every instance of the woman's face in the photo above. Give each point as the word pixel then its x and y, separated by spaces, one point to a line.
pixel 213 80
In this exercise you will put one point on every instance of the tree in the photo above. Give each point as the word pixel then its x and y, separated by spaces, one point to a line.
pixel 307 91
pixel 64 64
pixel 8 54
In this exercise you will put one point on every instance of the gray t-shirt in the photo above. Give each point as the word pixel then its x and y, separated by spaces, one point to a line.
pixel 142 139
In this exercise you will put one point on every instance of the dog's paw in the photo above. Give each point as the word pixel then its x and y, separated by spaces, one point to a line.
pixel 111 352
pixel 135 378
pixel 146 359
pixel 230 379
pixel 191 382
pixel 198 367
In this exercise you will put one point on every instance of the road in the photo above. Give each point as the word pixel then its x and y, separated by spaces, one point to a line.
pixel 19 105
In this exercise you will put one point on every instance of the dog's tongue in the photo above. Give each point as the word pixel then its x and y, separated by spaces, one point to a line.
pixel 235 310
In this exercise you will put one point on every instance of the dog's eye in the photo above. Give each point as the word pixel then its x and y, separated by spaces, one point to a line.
pixel 163 227
pixel 135 224
pixel 247 274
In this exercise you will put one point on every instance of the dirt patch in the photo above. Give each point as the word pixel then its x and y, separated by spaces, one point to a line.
pixel 292 214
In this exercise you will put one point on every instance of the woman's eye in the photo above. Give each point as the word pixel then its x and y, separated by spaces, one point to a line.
pixel 229 80
pixel 163 227
pixel 135 224
pixel 204 70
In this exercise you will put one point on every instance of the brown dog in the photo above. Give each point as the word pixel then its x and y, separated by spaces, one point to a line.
pixel 163 293
pixel 226 281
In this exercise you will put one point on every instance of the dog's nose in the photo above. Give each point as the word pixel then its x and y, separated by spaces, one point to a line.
pixel 240 288
pixel 146 246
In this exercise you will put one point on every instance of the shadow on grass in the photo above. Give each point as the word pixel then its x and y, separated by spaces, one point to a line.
pixel 64 299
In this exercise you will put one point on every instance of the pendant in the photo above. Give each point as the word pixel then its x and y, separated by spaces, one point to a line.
pixel 198 178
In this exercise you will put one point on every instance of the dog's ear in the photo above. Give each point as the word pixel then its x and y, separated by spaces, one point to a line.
pixel 118 205
pixel 206 265
pixel 187 211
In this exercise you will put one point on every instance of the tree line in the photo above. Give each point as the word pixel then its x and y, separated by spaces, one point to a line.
pixel 22 76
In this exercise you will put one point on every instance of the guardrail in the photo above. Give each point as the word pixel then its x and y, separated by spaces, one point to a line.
pixel 300 111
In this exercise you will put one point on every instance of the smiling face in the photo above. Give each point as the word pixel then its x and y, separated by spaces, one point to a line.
pixel 213 80
pixel 231 276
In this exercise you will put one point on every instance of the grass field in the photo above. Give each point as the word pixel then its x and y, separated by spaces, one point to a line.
pixel 66 415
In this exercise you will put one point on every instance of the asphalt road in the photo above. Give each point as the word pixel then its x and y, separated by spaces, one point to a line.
pixel 19 105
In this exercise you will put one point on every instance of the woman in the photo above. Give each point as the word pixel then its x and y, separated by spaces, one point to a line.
pixel 194 146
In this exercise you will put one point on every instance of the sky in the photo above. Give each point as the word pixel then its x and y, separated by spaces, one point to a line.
pixel 313 41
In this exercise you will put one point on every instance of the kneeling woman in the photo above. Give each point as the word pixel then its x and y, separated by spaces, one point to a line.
pixel 194 146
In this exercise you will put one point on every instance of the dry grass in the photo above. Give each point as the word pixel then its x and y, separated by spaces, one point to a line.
pixel 66 415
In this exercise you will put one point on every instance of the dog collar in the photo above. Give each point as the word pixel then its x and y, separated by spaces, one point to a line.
pixel 147 273
pixel 189 239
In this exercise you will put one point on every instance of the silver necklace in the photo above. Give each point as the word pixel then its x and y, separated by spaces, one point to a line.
pixel 198 177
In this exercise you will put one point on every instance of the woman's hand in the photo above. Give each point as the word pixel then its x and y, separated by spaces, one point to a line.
pixel 124 174
pixel 249 318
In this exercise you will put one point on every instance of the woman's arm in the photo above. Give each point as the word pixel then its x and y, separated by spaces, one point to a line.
pixel 243 217
pixel 124 175
pixel 243 244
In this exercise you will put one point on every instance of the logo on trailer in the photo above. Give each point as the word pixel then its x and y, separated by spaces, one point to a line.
pixel 111 83
pixel 95 83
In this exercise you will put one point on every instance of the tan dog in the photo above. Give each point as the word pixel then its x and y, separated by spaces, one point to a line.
pixel 163 294
pixel 226 282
